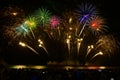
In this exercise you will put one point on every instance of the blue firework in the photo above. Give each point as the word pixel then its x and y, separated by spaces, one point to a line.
pixel 86 12
pixel 22 30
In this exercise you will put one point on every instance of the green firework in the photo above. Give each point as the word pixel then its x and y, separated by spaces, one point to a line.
pixel 43 16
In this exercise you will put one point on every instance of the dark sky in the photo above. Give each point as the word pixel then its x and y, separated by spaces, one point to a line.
pixel 108 9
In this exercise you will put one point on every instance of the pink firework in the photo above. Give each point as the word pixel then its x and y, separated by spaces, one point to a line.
pixel 54 21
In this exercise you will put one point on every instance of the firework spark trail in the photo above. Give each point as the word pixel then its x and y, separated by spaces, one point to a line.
pixel 85 14
pixel 68 44
pixel 84 17
pixel 81 21
pixel 89 49
pixel 45 49
pixel 97 54
pixel 108 44
pixel 32 49
pixel 31 23
pixel 76 31
pixel 42 45
pixel 25 45
pixel 78 47
pixel 49 34
pixel 79 44
pixel 32 33
pixel 82 29
pixel 59 33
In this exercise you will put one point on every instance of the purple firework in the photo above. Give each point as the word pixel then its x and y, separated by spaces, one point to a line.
pixel 86 12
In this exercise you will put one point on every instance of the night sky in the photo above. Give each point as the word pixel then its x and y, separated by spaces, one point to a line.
pixel 13 55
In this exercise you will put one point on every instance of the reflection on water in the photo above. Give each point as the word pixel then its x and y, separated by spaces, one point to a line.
pixel 55 66
pixel 37 72
pixel 59 67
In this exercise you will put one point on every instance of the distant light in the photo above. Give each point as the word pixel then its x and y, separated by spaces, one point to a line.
pixel 102 67
pixel 19 67
pixel 68 67
pixel 92 67
pixel 38 67
pixel 99 70
pixel 95 67
pixel 27 67
pixel 112 79
pixel 14 13
pixel 43 72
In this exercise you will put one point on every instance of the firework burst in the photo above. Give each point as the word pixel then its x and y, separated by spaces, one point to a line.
pixel 54 26
pixel 64 32
pixel 31 23
pixel 86 12
pixel 69 19
pixel 22 30
pixel 54 21
pixel 43 16
pixel 70 23
pixel 12 11
pixel 12 15
pixel 97 25
pixel 108 44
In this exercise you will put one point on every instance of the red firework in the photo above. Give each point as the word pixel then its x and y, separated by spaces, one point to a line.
pixel 96 23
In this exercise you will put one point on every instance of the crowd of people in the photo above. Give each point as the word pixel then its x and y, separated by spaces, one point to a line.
pixel 60 74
